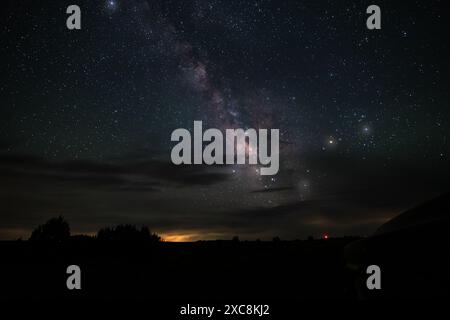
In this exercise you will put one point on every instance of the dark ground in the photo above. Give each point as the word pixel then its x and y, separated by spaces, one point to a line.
pixel 227 271
pixel 177 271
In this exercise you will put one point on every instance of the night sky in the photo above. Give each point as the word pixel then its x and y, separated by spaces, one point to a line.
pixel 86 115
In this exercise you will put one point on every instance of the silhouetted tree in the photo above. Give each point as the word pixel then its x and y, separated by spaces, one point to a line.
pixel 276 239
pixel 235 239
pixel 127 232
pixel 55 229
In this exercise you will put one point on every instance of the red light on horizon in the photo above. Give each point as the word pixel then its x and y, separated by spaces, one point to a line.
pixel 325 236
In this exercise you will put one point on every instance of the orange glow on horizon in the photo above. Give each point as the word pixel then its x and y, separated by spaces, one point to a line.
pixel 192 236
pixel 180 237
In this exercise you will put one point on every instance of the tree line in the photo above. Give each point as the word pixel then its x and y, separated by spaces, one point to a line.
pixel 58 229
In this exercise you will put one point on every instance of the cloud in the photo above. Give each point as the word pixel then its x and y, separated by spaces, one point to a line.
pixel 278 189
pixel 196 200
pixel 91 194
pixel 149 172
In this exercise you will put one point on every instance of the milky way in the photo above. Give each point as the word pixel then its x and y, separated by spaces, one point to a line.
pixel 86 115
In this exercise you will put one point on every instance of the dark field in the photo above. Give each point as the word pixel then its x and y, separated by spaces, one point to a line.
pixel 216 270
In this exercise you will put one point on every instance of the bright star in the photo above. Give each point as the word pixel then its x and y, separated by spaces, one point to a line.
pixel 111 5
pixel 366 129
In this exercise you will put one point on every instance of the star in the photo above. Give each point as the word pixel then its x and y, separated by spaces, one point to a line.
pixel 366 129
pixel 111 5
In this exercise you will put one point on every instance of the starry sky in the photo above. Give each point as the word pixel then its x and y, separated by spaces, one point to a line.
pixel 86 115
